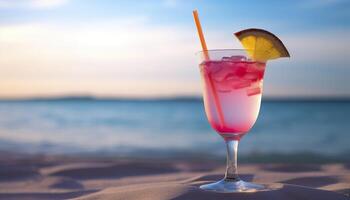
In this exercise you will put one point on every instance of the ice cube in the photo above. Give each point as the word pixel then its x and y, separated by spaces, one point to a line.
pixel 211 67
pixel 238 58
pixel 251 67
pixel 260 65
pixel 241 84
pixel 224 88
pixel 225 58
pixel 252 76
pixel 215 69
pixel 221 74
pixel 240 71
pixel 230 76
pixel 254 91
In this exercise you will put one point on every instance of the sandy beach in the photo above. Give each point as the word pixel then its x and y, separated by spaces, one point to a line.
pixel 85 178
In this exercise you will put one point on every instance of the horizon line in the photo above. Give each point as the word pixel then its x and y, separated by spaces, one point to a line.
pixel 163 98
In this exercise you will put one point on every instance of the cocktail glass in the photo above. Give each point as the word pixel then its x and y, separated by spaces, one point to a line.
pixel 232 89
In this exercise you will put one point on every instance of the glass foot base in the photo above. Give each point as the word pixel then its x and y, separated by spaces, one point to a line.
pixel 224 186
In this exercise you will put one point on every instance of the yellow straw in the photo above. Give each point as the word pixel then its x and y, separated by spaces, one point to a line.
pixel 206 57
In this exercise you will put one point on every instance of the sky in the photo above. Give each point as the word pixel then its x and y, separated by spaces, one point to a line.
pixel 147 48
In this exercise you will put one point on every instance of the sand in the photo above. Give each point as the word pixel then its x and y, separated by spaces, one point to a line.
pixel 57 177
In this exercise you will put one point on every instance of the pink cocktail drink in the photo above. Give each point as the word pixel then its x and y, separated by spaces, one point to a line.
pixel 232 88
pixel 232 94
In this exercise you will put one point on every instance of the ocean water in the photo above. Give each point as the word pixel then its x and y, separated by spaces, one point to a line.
pixel 169 127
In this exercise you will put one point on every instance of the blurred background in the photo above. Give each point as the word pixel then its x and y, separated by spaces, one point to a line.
pixel 120 78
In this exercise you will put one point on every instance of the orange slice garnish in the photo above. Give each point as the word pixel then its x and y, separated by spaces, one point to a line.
pixel 262 45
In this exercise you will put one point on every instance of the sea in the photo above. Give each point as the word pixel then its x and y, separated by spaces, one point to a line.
pixel 286 130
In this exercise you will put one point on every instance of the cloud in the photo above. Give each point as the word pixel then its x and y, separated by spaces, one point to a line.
pixel 326 46
pixel 118 57
pixel 319 66
pixel 32 4
pixel 130 57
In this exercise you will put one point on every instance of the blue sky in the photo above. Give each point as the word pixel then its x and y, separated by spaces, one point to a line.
pixel 146 48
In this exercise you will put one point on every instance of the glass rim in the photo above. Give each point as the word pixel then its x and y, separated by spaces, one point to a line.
pixel 227 50
pixel 218 50
pixel 209 54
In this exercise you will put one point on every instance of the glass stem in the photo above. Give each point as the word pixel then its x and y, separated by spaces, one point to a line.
pixel 231 168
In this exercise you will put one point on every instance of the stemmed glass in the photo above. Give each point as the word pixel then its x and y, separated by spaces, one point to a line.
pixel 232 89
